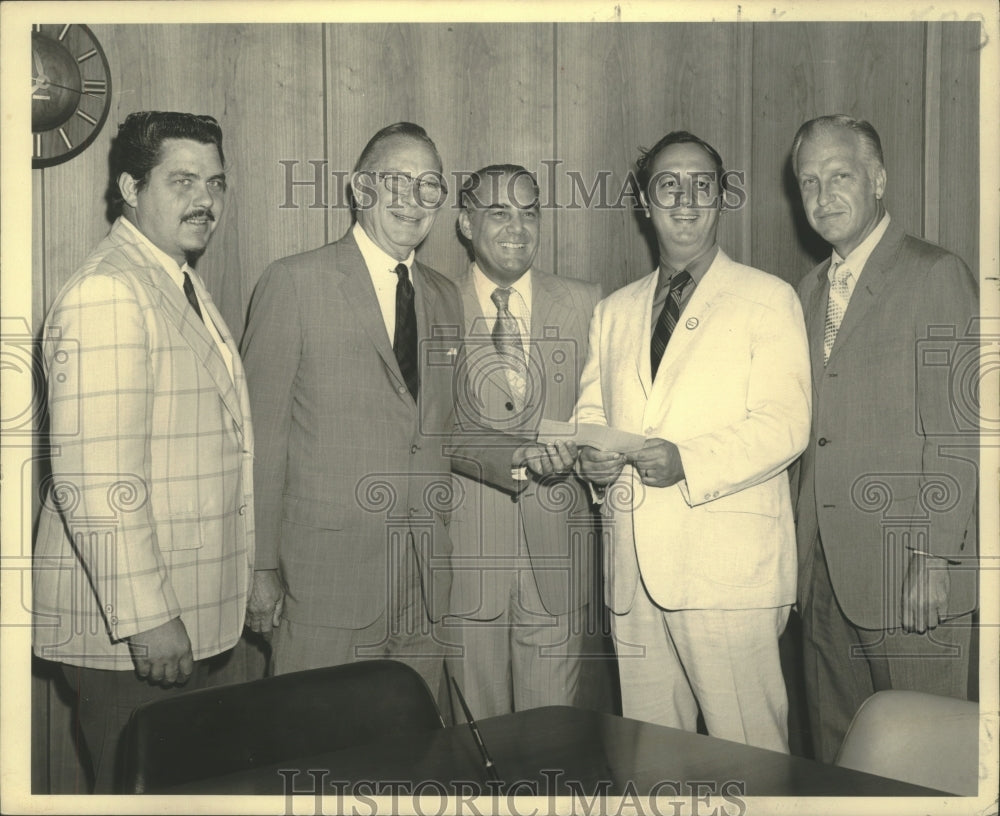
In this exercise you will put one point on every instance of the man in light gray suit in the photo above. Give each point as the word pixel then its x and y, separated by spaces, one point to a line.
pixel 350 351
pixel 523 569
pixel 886 510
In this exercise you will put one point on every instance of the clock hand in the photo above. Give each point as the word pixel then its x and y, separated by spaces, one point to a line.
pixel 40 68
pixel 50 84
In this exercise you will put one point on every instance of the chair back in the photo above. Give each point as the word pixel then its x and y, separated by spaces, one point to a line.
pixel 215 731
pixel 915 737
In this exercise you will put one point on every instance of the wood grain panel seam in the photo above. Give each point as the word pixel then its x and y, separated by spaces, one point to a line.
pixel 326 122
pixel 555 140
pixel 932 132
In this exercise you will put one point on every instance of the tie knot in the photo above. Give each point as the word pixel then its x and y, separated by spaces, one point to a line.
pixel 679 281
pixel 402 272
pixel 500 298
pixel 841 272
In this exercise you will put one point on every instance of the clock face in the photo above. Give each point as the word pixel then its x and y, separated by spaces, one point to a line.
pixel 70 92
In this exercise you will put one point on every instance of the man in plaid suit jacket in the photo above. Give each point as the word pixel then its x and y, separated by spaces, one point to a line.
pixel 145 545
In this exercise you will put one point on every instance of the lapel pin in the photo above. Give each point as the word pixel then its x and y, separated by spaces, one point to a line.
pixel 692 323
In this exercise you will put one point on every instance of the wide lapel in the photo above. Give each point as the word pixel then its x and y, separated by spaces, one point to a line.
pixel 714 283
pixel 174 306
pixel 815 318
pixel 641 313
pixel 213 362
pixel 869 286
pixel 356 285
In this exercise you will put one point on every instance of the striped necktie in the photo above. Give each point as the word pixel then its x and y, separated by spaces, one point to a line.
pixel 667 321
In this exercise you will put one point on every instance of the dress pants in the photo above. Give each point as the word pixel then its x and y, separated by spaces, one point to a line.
pixel 845 665
pixel 103 702
pixel 404 632
pixel 522 659
pixel 723 661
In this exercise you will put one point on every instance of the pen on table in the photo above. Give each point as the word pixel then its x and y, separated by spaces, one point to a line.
pixel 491 768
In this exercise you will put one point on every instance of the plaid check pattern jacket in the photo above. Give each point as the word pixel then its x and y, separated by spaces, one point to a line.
pixel 148 511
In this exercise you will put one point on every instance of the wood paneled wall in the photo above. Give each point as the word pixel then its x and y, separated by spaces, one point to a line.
pixel 565 100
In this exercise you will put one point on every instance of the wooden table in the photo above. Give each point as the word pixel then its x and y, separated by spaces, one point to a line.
pixel 556 751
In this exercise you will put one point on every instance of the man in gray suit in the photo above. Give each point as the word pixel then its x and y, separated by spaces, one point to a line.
pixel 523 569
pixel 350 351
pixel 886 510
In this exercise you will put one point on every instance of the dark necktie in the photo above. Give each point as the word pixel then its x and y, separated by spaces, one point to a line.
pixel 404 343
pixel 191 296
pixel 668 319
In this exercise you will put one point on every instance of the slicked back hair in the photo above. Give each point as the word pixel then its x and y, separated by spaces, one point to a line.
pixel 137 148
pixel 864 130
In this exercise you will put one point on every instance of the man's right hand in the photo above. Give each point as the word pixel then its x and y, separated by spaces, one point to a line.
pixel 163 655
pixel 599 467
pixel 267 597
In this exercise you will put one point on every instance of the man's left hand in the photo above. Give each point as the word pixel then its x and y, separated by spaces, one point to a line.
pixel 925 593
pixel 548 459
pixel 658 463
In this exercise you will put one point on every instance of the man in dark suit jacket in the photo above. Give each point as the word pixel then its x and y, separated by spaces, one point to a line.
pixel 523 572
pixel 886 509
pixel 350 351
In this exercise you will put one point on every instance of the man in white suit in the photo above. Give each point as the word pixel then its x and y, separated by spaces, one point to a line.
pixel 522 568
pixel 145 544
pixel 707 359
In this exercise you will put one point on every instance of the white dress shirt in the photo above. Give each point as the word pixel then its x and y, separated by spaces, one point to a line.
pixel 382 268
pixel 519 303
pixel 176 274
pixel 858 257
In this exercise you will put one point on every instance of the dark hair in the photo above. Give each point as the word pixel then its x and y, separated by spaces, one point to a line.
pixel 864 130
pixel 137 147
pixel 493 173
pixel 647 158
pixel 407 129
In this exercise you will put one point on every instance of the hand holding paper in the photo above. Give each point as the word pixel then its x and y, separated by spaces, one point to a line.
pixel 583 434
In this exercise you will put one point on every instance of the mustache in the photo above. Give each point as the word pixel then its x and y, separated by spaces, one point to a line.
pixel 202 212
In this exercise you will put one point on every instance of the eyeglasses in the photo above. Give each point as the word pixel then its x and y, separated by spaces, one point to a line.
pixel 430 187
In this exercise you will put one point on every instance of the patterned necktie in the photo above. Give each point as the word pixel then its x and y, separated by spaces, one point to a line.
pixel 404 342
pixel 836 307
pixel 507 339
pixel 191 296
pixel 667 321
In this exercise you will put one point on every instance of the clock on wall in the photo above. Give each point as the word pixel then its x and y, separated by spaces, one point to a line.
pixel 70 92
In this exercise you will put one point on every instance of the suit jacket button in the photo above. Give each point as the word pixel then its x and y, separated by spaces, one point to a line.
pixel 509 406
pixel 822 441
pixel 242 510
pixel 414 448
pixel 401 389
